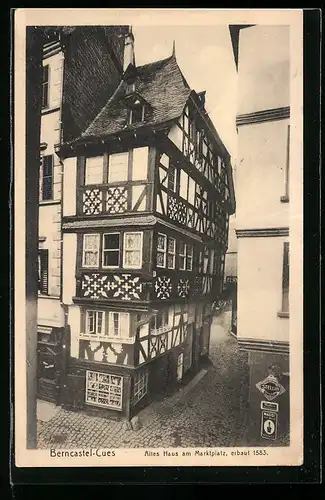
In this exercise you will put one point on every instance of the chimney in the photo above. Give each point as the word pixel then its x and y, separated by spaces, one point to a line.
pixel 129 57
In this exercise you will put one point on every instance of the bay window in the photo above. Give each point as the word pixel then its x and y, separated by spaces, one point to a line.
pixel 94 170
pixel 105 326
pixel 111 249
pixel 90 256
pixel 132 252
pixel 106 250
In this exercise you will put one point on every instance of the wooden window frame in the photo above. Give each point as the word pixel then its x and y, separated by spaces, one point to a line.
pixel 111 318
pixel 46 87
pixel 84 265
pixel 45 177
pixel 43 275
pixel 171 254
pixel 126 250
pixel 162 250
pixel 95 334
pixel 118 250
pixel 140 382
pixel 163 314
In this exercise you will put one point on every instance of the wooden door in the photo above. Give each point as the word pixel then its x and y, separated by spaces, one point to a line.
pixel 49 369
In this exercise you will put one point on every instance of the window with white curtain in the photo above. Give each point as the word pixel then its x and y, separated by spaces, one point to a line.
pixel 90 257
pixel 132 251
pixel 94 170
pixel 118 325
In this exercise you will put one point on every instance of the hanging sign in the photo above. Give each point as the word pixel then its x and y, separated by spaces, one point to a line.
pixel 269 425
pixel 270 387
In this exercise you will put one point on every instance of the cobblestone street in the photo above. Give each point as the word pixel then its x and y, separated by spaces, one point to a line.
pixel 211 414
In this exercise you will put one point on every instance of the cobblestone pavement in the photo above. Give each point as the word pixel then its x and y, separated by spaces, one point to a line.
pixel 211 414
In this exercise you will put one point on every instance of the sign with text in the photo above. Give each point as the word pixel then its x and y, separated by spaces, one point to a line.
pixel 269 425
pixel 267 405
pixel 270 387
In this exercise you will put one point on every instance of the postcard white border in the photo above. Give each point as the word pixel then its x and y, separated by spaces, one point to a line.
pixel 292 455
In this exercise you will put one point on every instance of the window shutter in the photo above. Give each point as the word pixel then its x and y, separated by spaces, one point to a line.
pixel 47 184
pixel 44 274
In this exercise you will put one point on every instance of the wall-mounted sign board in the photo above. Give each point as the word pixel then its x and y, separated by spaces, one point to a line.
pixel 269 425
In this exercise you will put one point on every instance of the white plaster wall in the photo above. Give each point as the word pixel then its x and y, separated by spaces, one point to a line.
pixel 50 130
pixel 69 186
pixel 176 135
pixel 264 68
pixel 260 263
pixel 74 323
pixel 55 63
pixel 50 312
pixel 69 267
pixel 260 183
pixel 49 228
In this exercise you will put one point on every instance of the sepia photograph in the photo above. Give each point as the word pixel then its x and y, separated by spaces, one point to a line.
pixel 158 299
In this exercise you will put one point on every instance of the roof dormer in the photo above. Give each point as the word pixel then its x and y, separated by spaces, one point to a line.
pixel 138 107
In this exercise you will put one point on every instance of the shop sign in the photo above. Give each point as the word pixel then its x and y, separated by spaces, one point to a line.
pixel 270 388
pixel 267 405
pixel 269 425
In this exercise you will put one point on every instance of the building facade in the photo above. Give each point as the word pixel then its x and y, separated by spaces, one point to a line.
pixel 262 224
pixel 147 193
pixel 81 67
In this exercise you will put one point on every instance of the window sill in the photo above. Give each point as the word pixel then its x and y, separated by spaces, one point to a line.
pixel 49 202
pixel 283 314
pixel 46 111
pixel 44 296
pixel 284 199
pixel 111 340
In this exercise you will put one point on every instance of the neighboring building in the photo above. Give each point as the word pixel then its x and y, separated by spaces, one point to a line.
pixel 262 222
pixel 81 68
pixel 146 200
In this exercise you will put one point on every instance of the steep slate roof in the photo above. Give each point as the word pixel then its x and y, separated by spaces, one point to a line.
pixel 160 83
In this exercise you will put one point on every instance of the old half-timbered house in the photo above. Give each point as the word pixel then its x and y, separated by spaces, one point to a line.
pixel 146 200
pixel 71 98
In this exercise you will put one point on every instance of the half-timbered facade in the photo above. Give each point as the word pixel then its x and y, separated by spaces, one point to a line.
pixel 69 100
pixel 147 194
